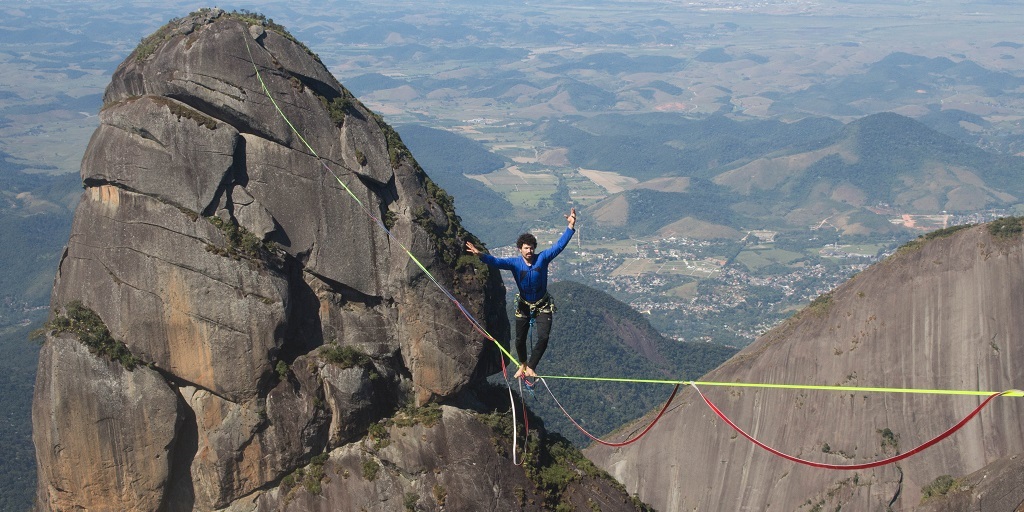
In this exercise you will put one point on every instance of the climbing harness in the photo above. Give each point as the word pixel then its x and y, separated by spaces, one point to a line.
pixel 526 308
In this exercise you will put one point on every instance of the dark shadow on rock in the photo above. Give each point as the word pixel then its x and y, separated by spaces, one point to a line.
pixel 180 496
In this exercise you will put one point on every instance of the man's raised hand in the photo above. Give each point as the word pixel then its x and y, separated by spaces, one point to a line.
pixel 470 248
pixel 572 218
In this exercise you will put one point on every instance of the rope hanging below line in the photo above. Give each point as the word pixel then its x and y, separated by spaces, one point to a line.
pixel 868 465
pixel 607 443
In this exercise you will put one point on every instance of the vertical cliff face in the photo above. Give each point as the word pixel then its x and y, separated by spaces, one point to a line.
pixel 242 311
pixel 945 314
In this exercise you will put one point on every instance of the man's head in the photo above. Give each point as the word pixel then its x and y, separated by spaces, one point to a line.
pixel 527 244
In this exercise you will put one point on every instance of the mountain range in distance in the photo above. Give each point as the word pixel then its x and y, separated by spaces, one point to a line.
pixel 523 80
pixel 445 65
pixel 717 177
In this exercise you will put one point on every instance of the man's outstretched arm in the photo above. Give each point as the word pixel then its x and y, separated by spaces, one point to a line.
pixel 502 263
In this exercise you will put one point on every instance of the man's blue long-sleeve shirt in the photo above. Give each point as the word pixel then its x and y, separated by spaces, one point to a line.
pixel 532 280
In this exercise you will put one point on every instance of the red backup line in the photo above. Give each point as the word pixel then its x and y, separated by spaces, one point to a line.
pixel 868 465
pixel 607 443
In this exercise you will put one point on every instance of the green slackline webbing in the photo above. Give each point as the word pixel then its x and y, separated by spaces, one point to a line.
pixel 863 389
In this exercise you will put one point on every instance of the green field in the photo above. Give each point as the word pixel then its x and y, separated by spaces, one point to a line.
pixel 637 266
pixel 864 249
pixel 755 259
pixel 685 291
pixel 622 247
pixel 583 191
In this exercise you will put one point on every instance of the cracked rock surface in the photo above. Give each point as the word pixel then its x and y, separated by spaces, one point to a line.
pixel 273 317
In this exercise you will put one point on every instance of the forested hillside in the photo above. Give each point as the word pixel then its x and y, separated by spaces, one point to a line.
pixel 650 210
pixel 890 145
pixel 35 218
pixel 596 335
pixel 647 146
pixel 789 176
pixel 447 157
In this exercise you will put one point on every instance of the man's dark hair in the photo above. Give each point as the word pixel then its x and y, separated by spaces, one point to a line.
pixel 526 239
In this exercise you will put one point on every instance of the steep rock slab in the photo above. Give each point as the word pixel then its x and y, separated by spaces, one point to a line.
pixel 105 432
pixel 241 447
pixel 145 268
pixel 318 220
pixel 164 147
pixel 938 315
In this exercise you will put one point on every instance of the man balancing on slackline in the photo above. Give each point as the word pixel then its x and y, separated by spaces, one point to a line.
pixel 530 270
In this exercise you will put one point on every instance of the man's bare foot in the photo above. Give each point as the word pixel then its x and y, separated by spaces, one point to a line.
pixel 529 372
pixel 519 372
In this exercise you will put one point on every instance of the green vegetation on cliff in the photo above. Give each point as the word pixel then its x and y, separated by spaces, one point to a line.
pixel 448 158
pixel 1007 227
pixel 75 318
